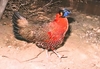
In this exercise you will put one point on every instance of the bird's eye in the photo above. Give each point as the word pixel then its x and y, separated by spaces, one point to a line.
pixel 61 13
pixel 64 12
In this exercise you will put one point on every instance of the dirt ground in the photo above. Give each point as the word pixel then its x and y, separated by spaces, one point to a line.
pixel 82 48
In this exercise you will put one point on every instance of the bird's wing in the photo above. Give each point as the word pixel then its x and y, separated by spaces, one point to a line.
pixel 31 32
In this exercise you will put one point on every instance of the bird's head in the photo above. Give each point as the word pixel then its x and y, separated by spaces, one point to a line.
pixel 64 12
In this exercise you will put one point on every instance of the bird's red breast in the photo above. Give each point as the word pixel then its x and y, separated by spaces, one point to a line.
pixel 62 22
pixel 58 27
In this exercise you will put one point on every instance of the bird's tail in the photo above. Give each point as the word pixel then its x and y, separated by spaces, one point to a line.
pixel 15 17
pixel 18 21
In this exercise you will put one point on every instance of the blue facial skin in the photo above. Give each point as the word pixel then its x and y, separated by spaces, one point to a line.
pixel 66 12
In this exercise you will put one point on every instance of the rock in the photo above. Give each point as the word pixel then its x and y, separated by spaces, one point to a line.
pixel 89 17
pixel 2 6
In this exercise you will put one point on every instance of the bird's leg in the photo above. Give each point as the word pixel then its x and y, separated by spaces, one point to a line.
pixel 58 55
pixel 47 53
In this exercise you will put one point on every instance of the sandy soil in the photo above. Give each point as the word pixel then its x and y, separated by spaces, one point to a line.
pixel 82 48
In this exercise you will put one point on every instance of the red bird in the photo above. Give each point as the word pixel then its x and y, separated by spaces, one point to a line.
pixel 48 35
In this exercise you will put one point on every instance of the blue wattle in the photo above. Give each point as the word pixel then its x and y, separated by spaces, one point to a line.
pixel 66 13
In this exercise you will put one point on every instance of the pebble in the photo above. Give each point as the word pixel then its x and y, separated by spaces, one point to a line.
pixel 9 46
pixel 89 17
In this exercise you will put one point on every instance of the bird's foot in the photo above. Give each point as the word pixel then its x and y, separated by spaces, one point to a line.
pixel 58 55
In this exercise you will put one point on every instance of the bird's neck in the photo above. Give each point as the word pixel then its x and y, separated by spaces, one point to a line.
pixel 61 21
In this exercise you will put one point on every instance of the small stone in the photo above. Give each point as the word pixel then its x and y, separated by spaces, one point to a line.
pixel 96 18
pixel 98 30
pixel 9 46
pixel 4 23
pixel 84 25
pixel 89 17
